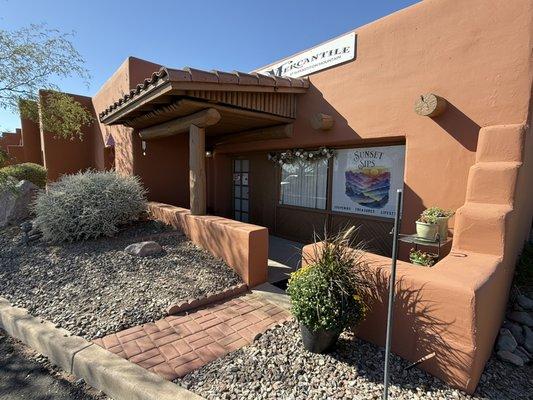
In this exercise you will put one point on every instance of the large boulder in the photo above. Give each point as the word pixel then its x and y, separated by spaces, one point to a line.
pixel 528 340
pixel 15 202
pixel 525 302
pixel 144 249
pixel 522 317
pixel 506 341
pixel 510 358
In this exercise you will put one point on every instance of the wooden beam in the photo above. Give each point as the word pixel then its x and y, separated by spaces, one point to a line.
pixel 197 178
pixel 272 132
pixel 201 119
pixel 240 112
pixel 322 122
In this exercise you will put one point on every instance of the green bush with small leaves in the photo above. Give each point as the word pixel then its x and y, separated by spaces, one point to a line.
pixel 328 293
pixel 4 158
pixel 88 205
pixel 34 173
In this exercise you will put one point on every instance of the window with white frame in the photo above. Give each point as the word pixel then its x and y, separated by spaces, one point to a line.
pixel 304 184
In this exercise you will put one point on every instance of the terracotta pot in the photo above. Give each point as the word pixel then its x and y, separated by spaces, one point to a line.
pixel 426 231
pixel 320 341
pixel 443 228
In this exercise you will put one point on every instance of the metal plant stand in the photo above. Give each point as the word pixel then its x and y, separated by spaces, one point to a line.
pixel 416 241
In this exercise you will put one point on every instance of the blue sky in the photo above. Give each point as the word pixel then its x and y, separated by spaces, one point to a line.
pixel 226 35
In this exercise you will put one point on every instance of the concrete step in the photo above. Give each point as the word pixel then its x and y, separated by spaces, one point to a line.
pixel 480 227
pixel 492 182
pixel 501 143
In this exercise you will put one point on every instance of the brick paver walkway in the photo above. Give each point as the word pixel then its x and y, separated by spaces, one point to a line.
pixel 177 345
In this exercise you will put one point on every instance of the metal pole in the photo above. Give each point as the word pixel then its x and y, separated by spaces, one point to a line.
pixel 391 292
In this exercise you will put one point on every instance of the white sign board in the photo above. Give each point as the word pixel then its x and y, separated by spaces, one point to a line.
pixel 365 180
pixel 318 58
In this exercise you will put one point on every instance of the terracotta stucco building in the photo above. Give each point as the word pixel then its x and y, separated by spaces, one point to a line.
pixel 207 144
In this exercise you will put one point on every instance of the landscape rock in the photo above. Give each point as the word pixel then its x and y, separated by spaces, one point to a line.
pixel 506 341
pixel 516 330
pixel 528 339
pixel 144 249
pixel 277 367
pixel 522 317
pixel 510 358
pixel 525 302
pixel 94 288
pixel 523 354
pixel 15 203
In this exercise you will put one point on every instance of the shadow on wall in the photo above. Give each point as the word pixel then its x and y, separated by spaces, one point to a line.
pixel 416 329
pixel 459 126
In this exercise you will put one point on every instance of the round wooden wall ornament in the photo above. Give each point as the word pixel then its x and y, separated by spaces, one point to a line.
pixel 430 105
pixel 322 122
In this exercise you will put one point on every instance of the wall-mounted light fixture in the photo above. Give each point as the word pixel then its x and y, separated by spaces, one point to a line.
pixel 143 146
pixel 208 154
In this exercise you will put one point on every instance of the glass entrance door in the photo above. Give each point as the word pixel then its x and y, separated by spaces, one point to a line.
pixel 241 191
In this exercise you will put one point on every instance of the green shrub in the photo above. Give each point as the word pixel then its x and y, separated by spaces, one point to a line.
pixel 88 205
pixel 4 158
pixel 328 293
pixel 34 173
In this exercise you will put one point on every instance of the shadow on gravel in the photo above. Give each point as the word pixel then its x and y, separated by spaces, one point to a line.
pixel 23 378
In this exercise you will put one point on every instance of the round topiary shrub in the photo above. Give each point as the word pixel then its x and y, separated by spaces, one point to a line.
pixel 88 205
pixel 34 173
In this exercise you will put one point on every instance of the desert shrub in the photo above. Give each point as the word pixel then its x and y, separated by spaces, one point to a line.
pixel 328 293
pixel 34 173
pixel 4 158
pixel 88 205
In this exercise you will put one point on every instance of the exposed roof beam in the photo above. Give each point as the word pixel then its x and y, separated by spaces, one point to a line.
pixel 201 119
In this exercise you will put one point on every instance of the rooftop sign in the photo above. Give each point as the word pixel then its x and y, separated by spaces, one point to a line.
pixel 323 56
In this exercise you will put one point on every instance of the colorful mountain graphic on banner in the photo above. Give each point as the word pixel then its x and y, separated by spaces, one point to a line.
pixel 368 187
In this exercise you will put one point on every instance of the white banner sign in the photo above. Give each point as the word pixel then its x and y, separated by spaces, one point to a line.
pixel 365 180
pixel 318 58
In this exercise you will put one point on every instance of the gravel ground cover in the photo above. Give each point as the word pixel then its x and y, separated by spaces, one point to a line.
pixel 27 375
pixel 94 288
pixel 277 367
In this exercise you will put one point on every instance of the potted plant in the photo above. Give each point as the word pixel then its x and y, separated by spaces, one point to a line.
pixel 427 227
pixel 441 216
pixel 420 257
pixel 327 293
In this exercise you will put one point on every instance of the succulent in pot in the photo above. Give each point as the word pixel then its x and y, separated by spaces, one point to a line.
pixel 427 227
pixel 420 257
pixel 441 217
pixel 327 293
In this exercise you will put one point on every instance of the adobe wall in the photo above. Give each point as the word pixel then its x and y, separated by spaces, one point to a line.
pixel 126 77
pixel 31 140
pixel 66 156
pixel 10 139
pixel 476 54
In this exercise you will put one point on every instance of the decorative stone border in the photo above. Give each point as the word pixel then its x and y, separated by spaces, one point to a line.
pixel 100 368
pixel 209 298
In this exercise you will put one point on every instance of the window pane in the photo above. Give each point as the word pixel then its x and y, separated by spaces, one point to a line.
pixel 244 179
pixel 245 165
pixel 304 184
pixel 237 215
pixel 237 205
pixel 237 165
pixel 245 205
pixel 237 191
pixel 244 217
pixel 245 192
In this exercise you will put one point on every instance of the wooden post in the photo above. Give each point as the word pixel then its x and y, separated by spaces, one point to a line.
pixel 197 178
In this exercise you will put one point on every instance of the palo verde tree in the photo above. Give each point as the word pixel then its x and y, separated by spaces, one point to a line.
pixel 30 59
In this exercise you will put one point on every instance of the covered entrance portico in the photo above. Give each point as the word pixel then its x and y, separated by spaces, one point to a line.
pixel 213 108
